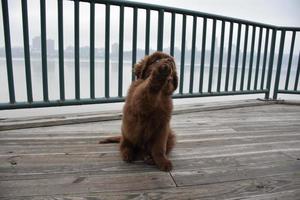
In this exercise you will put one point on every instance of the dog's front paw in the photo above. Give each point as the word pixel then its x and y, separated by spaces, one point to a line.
pixel 149 160
pixel 127 155
pixel 166 166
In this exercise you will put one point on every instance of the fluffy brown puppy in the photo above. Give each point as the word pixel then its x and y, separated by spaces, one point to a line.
pixel 146 131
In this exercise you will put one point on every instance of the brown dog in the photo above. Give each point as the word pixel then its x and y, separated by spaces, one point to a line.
pixel 147 111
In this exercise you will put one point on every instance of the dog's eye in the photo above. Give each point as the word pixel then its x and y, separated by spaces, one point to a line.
pixel 157 60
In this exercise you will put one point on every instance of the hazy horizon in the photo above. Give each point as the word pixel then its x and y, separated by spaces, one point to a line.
pixel 276 12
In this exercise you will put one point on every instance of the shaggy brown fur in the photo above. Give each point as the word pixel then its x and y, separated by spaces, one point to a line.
pixel 146 131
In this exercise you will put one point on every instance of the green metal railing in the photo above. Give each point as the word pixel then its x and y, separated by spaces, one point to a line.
pixel 252 77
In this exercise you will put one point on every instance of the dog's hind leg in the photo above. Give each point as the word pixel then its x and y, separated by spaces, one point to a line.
pixel 127 150
pixel 170 142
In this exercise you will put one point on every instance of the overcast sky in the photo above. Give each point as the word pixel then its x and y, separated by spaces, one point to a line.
pixel 276 12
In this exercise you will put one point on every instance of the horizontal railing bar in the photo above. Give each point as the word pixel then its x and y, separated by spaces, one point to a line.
pixel 207 94
pixel 181 11
pixel 193 13
pixel 69 102
pixel 82 101
pixel 288 28
pixel 288 91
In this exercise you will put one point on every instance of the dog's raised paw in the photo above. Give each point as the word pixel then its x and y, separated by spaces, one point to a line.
pixel 164 70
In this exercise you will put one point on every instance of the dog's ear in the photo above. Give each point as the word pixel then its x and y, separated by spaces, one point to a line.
pixel 140 67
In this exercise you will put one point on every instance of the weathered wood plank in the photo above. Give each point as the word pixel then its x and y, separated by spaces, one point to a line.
pixel 51 166
pixel 244 153
pixel 194 176
pixel 19 123
pixel 278 187
pixel 200 137
pixel 186 150
pixel 286 195
pixel 73 184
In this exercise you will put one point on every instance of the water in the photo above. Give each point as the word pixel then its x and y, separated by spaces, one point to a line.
pixel 53 78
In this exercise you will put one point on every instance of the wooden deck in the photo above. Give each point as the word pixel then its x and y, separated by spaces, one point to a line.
pixel 237 153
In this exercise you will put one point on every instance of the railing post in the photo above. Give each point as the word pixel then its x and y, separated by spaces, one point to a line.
pixel 134 40
pixel 172 37
pixel 279 63
pixel 290 61
pixel 160 30
pixel 121 47
pixel 147 32
pixel 201 76
pixel 265 60
pixel 182 53
pixel 297 74
pixel 26 51
pixel 107 43
pixel 229 57
pixel 271 60
pixel 258 58
pixel 92 49
pixel 221 57
pixel 212 58
pixel 237 56
pixel 76 49
pixel 44 50
pixel 10 75
pixel 193 54
pixel 251 57
pixel 244 57
pixel 61 50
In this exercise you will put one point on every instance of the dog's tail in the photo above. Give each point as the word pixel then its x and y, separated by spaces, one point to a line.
pixel 114 139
